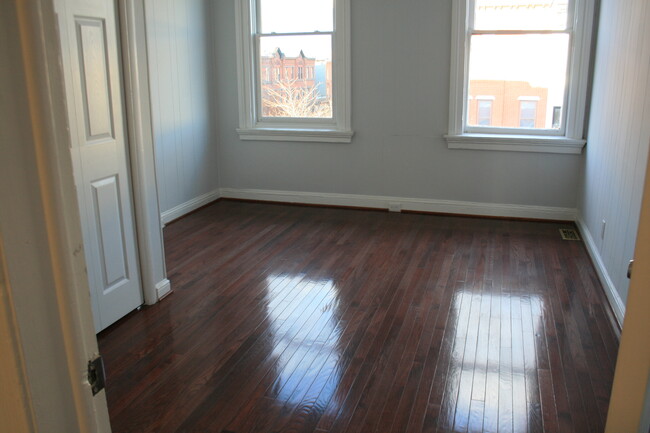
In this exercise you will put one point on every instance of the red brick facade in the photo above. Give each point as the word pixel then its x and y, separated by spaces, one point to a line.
pixel 506 103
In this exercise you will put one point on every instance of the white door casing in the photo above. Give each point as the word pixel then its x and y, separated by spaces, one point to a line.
pixel 89 44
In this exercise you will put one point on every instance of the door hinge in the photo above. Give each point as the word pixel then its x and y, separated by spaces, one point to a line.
pixel 96 374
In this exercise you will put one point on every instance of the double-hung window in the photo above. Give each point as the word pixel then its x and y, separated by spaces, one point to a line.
pixel 310 41
pixel 532 57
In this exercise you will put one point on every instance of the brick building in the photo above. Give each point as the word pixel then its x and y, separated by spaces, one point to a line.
pixel 300 75
pixel 510 104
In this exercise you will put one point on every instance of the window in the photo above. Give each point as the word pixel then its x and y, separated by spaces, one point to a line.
pixel 484 112
pixel 533 57
pixel 557 116
pixel 313 37
pixel 527 114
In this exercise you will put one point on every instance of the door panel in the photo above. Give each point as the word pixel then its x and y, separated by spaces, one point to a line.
pixel 91 39
pixel 110 232
pixel 99 153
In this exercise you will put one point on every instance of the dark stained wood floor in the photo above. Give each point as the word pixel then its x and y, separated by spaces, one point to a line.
pixel 299 319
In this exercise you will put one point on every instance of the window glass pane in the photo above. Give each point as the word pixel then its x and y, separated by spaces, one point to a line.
pixel 528 114
pixel 296 76
pixel 521 14
pixel 292 16
pixel 513 68
pixel 484 113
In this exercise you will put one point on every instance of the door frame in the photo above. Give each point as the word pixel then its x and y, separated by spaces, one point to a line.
pixel 629 406
pixel 137 100
pixel 45 290
pixel 46 314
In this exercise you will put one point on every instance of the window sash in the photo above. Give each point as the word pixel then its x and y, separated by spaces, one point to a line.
pixel 471 4
pixel 259 120
pixel 471 31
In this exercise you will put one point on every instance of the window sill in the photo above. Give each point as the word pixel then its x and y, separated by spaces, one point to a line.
pixel 310 135
pixel 516 143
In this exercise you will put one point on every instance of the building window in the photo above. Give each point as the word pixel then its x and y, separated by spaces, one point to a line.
pixel 514 49
pixel 557 117
pixel 527 114
pixel 312 37
pixel 484 112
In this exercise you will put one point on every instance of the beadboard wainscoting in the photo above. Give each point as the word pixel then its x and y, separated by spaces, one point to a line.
pixel 609 200
pixel 179 40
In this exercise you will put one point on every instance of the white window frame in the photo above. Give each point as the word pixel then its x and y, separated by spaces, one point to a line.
pixel 569 139
pixel 252 126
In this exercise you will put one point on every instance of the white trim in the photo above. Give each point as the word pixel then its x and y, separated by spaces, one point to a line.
pixel 515 143
pixel 407 204
pixel 615 301
pixel 581 23
pixel 338 129
pixel 163 288
pixel 41 230
pixel 319 135
pixel 187 207
pixel 151 251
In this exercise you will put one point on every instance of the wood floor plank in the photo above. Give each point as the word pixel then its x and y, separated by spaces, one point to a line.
pixel 300 319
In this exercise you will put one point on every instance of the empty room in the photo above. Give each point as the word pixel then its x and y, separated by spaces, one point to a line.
pixel 325 216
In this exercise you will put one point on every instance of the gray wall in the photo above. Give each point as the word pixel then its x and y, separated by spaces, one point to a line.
pixel 180 65
pixel 619 136
pixel 400 102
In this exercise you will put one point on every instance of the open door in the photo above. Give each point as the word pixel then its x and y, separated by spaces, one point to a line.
pixel 89 44
pixel 629 407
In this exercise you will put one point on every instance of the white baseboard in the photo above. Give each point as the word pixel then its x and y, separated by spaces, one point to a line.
pixel 410 204
pixel 617 304
pixel 163 288
pixel 187 207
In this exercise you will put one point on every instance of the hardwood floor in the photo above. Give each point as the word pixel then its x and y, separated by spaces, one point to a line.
pixel 299 319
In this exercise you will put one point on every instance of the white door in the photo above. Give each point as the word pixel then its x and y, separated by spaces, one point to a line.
pixel 91 67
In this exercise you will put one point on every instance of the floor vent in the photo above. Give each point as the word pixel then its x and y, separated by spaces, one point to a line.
pixel 569 235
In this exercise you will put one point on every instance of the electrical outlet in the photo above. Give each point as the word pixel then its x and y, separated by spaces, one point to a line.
pixel 602 230
pixel 394 207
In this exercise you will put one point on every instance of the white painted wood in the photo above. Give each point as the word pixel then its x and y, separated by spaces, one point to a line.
pixel 412 204
pixel 99 150
pixel 581 14
pixel 618 137
pixel 145 191
pixel 190 205
pixel 305 135
pixel 629 406
pixel 252 127
pixel 524 143
pixel 163 288
pixel 180 64
pixel 40 230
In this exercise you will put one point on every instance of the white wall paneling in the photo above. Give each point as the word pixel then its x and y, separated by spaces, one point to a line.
pixel 181 79
pixel 618 141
